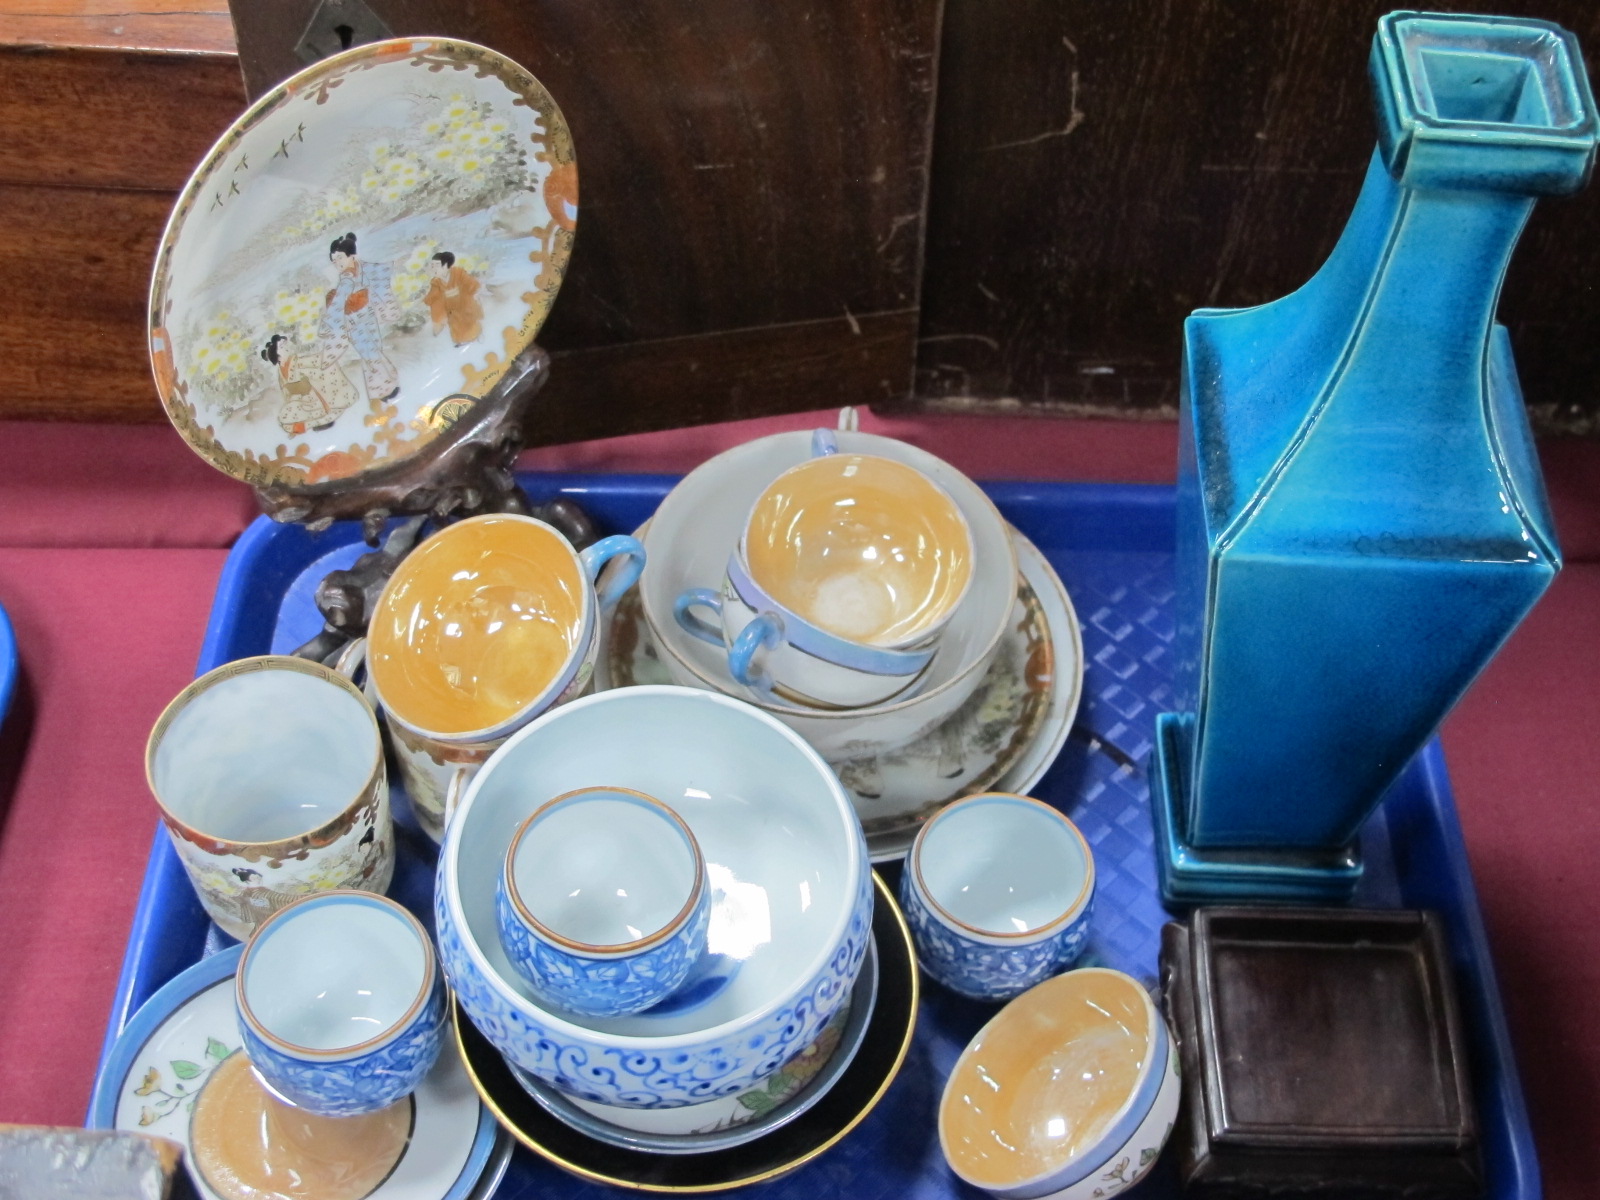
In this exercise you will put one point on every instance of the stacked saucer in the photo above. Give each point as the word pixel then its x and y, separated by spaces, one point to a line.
pixel 989 711
pixel 774 1010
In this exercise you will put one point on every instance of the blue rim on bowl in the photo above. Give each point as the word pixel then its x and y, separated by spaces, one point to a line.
pixel 856 1093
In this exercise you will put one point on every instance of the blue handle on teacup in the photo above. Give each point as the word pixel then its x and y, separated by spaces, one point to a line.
pixel 765 632
pixel 693 622
pixel 602 552
pixel 823 442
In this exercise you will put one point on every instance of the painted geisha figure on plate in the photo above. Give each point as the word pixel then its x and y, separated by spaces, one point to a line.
pixel 452 299
pixel 313 394
pixel 359 301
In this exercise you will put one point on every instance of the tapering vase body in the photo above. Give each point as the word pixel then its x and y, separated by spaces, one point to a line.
pixel 1361 518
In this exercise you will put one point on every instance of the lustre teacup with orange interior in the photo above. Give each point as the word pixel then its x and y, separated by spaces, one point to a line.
pixel 849 568
pixel 484 626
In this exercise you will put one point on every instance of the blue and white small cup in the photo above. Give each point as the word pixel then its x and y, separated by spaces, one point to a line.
pixel 998 890
pixel 603 903
pixel 341 1003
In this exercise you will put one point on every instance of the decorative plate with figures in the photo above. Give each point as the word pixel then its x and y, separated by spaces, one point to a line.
pixel 359 259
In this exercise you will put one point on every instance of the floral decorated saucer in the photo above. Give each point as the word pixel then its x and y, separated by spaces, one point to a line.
pixel 730 1120
pixel 186 1037
pixel 1004 737
pixel 855 1093
pixel 358 260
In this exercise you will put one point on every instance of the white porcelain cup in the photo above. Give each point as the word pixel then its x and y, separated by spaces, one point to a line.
pixel 269 774
pixel 485 625
pixel 849 568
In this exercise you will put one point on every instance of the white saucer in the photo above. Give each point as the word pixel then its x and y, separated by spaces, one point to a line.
pixel 167 1051
pixel 1004 738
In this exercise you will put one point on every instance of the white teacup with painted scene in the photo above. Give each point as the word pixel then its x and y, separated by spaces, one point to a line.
pixel 269 774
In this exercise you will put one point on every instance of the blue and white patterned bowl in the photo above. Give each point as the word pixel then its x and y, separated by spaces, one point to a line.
pixel 998 890
pixel 340 1002
pixel 791 905
pixel 603 902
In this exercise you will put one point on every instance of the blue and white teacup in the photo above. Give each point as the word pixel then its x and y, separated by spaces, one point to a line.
pixel 603 903
pixel 998 890
pixel 849 568
pixel 341 1003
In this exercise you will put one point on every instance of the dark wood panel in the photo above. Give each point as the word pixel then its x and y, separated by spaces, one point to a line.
pixel 76 348
pixel 742 164
pixel 109 118
pixel 74 338
pixel 183 25
pixel 725 376
pixel 1101 170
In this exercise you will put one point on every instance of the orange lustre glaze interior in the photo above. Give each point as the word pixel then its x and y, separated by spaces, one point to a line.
pixel 248 1146
pixel 476 623
pixel 1044 1080
pixel 864 547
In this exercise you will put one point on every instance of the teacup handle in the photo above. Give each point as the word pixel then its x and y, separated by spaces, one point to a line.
pixel 351 659
pixel 763 633
pixel 823 442
pixel 349 662
pixel 456 788
pixel 595 557
pixel 692 622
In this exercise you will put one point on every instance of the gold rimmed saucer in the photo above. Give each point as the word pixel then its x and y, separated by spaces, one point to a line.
pixel 358 260
pixel 857 1091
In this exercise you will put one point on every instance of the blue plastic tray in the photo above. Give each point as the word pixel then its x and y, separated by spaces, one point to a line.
pixel 1113 548
pixel 8 664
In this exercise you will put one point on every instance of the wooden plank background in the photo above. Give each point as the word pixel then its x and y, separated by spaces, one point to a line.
pixel 945 203
pixel 753 179
pixel 1101 170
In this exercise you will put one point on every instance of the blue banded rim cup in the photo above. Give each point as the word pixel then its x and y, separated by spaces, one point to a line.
pixel 350 1077
pixel 1123 1126
pixel 818 642
pixel 958 899
pixel 596 600
pixel 556 964
pixel 774 626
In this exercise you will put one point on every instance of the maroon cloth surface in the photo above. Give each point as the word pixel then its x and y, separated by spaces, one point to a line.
pixel 113 485
pixel 1524 759
pixel 106 638
pixel 109 633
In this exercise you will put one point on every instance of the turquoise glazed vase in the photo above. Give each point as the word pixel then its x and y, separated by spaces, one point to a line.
pixel 1361 519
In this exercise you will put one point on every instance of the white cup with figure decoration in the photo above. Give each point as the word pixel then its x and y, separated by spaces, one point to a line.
pixel 269 774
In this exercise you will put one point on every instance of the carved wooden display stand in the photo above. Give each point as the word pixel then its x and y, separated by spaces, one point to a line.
pixel 465 473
